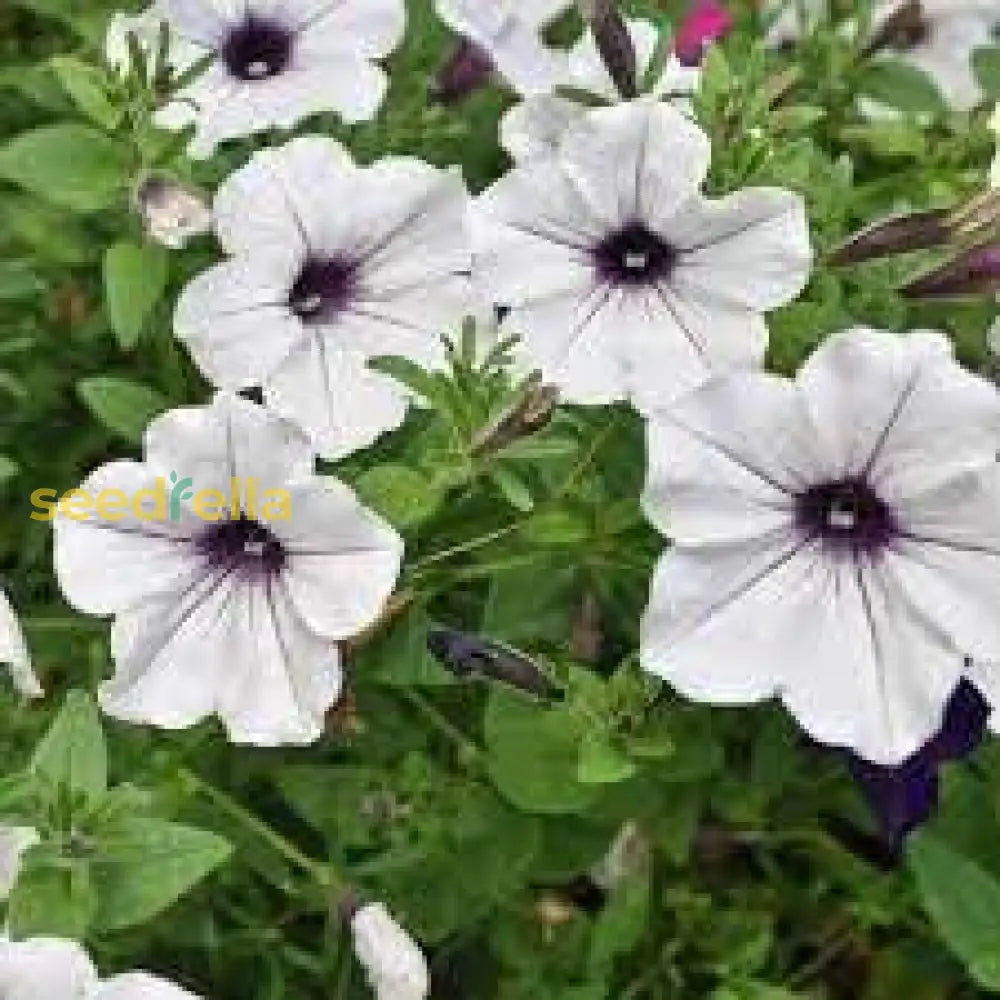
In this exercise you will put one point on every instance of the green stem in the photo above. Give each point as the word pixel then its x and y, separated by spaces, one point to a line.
pixel 323 873
pixel 467 750
pixel 470 546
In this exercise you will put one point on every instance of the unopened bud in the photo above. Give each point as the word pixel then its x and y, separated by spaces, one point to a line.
pixel 172 214
pixel 973 273
pixel 614 43
pixel 468 69
pixel 531 412
pixel 895 235
pixel 395 965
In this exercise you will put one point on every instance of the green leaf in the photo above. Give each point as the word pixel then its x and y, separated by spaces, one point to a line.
pixel 601 762
pixel 533 755
pixel 513 489
pixel 963 900
pixel 135 278
pixel 902 86
pixel 122 406
pixel 622 922
pixel 400 494
pixel 87 86
pixel 8 467
pixel 71 165
pixel 142 866
pixel 400 658
pixel 51 897
pixel 986 66
pixel 73 755
pixel 18 281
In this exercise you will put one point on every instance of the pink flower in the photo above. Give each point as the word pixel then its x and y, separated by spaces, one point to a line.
pixel 707 22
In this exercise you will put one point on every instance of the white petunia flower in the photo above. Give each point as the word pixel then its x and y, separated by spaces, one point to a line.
pixel 14 652
pixel 395 965
pixel 226 603
pixel 836 540
pixel 332 264
pixel 535 126
pixel 624 281
pixel 272 62
pixel 14 841
pixel 509 34
pixel 53 969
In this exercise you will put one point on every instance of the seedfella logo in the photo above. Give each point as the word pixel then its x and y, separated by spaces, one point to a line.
pixel 165 501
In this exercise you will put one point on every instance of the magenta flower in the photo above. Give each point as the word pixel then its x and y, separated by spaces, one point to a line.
pixel 708 22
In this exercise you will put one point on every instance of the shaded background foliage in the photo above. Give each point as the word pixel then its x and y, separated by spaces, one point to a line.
pixel 475 812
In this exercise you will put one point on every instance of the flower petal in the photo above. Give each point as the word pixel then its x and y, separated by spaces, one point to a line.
pixel 107 565
pixel 870 673
pixel 702 627
pixel 287 677
pixel 236 321
pixel 140 986
pixel 750 250
pixel 343 405
pixel 14 652
pixel 617 159
pixel 343 559
pixel 45 968
pixel 281 200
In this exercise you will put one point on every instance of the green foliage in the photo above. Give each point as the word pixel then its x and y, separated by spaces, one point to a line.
pixel 473 810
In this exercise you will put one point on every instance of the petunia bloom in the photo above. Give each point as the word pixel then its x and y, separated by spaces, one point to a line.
pixel 331 264
pixel 535 126
pixel 836 540
pixel 231 580
pixel 395 965
pixel 505 37
pixel 14 652
pixel 623 280
pixel 53 969
pixel 271 64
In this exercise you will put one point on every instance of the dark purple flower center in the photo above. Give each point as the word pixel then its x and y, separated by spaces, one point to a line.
pixel 323 289
pixel 634 255
pixel 243 545
pixel 257 49
pixel 847 515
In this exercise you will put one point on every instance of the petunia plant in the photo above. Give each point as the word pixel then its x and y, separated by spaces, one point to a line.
pixel 499 500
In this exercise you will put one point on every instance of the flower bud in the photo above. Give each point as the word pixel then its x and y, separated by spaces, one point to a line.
pixel 172 214
pixel 468 68
pixel 614 43
pixel 973 273
pixel 895 235
pixel 395 965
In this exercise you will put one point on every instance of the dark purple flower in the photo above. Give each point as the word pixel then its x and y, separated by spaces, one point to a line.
pixel 905 796
pixel 707 22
